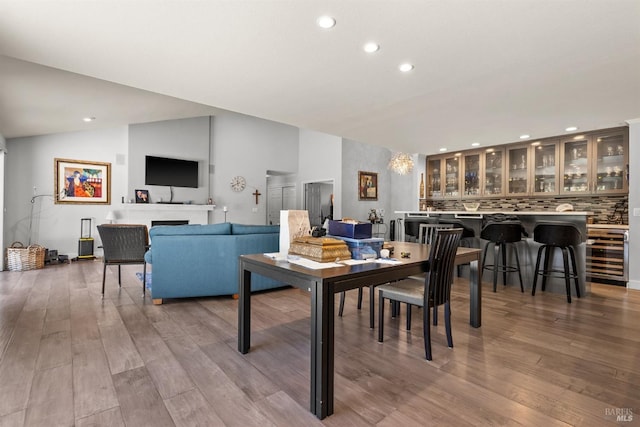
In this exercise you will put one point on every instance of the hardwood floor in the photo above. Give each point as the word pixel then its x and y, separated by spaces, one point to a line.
pixel 67 357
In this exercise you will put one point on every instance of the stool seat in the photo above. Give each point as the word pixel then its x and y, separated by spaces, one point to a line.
pixel 502 235
pixel 566 237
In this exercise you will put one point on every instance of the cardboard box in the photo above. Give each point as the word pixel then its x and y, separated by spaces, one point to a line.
pixel 361 230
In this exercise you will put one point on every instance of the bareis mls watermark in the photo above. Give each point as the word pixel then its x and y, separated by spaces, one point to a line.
pixel 619 414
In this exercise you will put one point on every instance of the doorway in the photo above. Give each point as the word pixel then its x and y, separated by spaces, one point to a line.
pixel 281 195
pixel 318 201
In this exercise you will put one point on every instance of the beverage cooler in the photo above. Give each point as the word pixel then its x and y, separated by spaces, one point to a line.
pixel 607 254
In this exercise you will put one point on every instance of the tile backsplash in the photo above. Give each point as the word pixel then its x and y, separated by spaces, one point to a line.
pixel 606 209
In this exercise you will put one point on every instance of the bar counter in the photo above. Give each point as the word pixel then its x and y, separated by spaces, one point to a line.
pixel 527 250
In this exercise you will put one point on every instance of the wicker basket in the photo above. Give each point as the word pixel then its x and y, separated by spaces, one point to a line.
pixel 20 258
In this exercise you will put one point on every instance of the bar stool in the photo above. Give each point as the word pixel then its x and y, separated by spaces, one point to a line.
pixel 502 235
pixel 553 235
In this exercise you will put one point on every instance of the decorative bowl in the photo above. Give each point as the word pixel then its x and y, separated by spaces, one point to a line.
pixel 471 207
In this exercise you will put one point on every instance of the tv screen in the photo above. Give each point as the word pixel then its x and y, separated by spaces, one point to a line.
pixel 171 172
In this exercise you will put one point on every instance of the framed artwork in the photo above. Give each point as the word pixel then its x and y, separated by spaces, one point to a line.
pixel 142 196
pixel 82 182
pixel 367 186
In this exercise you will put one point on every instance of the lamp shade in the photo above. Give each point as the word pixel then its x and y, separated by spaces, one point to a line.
pixel 110 217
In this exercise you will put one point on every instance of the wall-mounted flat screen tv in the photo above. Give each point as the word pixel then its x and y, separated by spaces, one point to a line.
pixel 171 172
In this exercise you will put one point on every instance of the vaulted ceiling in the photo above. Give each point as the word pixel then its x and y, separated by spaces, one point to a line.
pixel 485 71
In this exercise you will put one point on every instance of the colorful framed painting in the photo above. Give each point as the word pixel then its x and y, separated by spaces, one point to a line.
pixel 82 182
pixel 367 186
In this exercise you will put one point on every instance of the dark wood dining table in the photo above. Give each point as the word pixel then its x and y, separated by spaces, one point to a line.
pixel 323 284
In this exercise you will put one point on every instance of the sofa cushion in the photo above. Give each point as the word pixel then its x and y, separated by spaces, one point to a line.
pixel 254 229
pixel 191 229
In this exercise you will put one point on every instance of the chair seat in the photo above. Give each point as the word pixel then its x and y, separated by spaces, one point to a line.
pixel 409 290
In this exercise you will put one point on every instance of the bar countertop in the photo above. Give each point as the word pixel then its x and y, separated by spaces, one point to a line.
pixel 493 212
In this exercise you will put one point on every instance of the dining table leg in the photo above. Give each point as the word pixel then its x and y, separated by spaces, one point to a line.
pixel 244 311
pixel 475 301
pixel 322 349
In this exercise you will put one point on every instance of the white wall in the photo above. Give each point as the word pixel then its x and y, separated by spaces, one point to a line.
pixel 634 202
pixel 320 160
pixel 3 149
pixel 249 147
pixel 30 163
pixel 186 139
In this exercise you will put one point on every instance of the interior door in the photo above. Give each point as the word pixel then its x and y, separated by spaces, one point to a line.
pixel 313 199
pixel 280 198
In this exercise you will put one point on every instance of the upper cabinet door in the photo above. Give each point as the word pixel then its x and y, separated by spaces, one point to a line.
pixel 434 177
pixel 472 174
pixel 452 172
pixel 611 162
pixel 545 168
pixel 494 172
pixel 518 170
pixel 575 155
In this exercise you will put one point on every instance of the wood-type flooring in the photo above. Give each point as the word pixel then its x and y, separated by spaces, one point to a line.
pixel 68 357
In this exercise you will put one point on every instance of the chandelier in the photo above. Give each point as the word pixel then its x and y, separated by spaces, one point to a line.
pixel 401 163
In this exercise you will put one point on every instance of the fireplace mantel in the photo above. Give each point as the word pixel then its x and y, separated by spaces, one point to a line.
pixel 143 213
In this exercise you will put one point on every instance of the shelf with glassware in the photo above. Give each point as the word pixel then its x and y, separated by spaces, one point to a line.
pixel 545 172
pixel 518 170
pixel 443 177
pixel 472 172
pixel 595 163
pixel 493 174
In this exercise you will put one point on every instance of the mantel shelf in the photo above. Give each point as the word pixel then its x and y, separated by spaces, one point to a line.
pixel 165 207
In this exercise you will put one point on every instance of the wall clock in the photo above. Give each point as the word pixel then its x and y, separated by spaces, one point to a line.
pixel 238 183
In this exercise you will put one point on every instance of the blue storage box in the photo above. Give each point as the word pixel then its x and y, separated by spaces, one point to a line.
pixel 363 248
pixel 361 230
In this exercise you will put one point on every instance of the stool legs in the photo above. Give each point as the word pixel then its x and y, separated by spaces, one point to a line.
pixel 568 253
pixel 575 270
pixel 500 253
pixel 536 270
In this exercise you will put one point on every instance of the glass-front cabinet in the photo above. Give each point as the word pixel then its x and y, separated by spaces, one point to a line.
pixel 434 178
pixel 545 168
pixel 493 172
pixel 594 163
pixel 452 176
pixel 518 170
pixel 576 153
pixel 611 162
pixel 472 174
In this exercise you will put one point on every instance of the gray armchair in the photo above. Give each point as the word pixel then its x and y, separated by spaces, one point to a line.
pixel 124 244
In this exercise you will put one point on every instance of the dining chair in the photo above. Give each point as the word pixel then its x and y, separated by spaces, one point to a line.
pixel 428 231
pixel 124 244
pixel 434 290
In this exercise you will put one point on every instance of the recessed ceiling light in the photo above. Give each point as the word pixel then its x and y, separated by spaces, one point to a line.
pixel 89 119
pixel 406 67
pixel 571 128
pixel 326 22
pixel 443 149
pixel 371 47
pixel 525 136
pixel 475 144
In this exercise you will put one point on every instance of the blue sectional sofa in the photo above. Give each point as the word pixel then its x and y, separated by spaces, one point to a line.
pixel 202 260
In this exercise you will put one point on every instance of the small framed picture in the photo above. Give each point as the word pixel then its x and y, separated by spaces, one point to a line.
pixel 142 196
pixel 367 186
